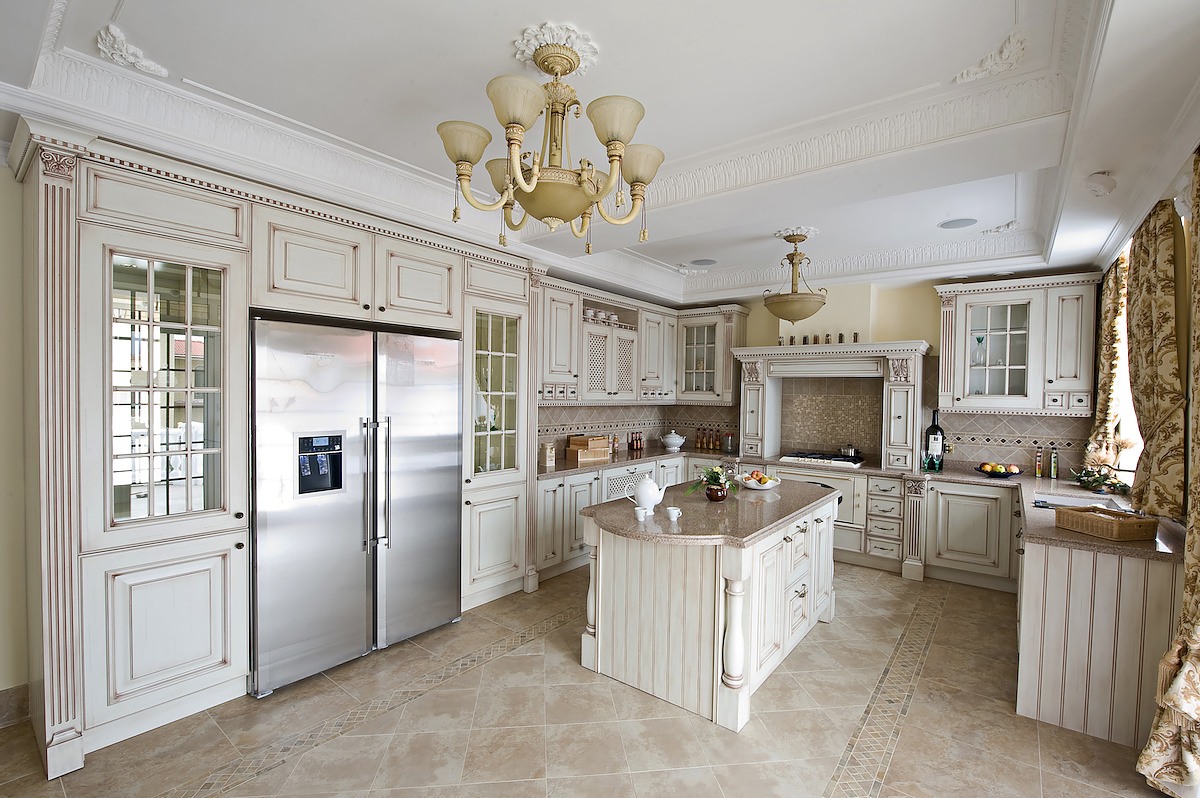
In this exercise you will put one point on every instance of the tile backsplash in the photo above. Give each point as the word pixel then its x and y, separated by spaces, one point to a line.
pixel 556 424
pixel 824 414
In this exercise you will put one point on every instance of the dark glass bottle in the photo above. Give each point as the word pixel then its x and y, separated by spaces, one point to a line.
pixel 935 444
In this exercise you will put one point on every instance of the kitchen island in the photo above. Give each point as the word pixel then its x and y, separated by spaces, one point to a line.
pixel 700 611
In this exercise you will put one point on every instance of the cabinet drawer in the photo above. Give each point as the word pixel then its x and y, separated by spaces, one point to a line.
pixel 1056 399
pixel 799 559
pixel 899 459
pixel 753 447
pixel 883 508
pixel 847 538
pixel 1079 401
pixel 884 548
pixel 880 528
pixel 881 486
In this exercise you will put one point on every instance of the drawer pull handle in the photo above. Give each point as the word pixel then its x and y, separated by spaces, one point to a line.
pixel 787 539
pixel 887 490
pixel 803 591
pixel 1021 550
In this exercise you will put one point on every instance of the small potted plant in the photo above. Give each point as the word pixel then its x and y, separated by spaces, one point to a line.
pixel 716 483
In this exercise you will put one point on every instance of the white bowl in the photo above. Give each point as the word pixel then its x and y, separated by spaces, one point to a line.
pixel 753 484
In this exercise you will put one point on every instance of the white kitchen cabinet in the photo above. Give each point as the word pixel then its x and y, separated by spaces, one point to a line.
pixel 560 344
pixel 610 355
pixel 1019 346
pixel 163 623
pixel 670 471
pixel 559 532
pixel 769 605
pixel 583 490
pixel 616 482
pixel 494 538
pixel 850 515
pixel 969 527
pixel 706 369
pixel 656 356
pixel 417 285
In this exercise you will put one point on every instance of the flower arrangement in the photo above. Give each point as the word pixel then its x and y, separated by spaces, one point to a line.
pixel 712 477
pixel 1100 477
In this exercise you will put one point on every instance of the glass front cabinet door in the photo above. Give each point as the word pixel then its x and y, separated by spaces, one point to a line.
pixel 702 351
pixel 495 392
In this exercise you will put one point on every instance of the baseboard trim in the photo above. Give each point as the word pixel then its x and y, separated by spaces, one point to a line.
pixel 14 705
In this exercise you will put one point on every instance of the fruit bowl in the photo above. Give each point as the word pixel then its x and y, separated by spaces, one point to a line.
pixel 753 484
pixel 995 474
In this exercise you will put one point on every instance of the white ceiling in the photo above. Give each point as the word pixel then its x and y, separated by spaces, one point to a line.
pixel 841 115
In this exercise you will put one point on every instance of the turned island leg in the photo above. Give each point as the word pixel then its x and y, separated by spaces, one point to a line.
pixel 587 647
pixel 733 691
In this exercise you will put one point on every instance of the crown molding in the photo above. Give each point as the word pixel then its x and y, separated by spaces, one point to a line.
pixel 1004 58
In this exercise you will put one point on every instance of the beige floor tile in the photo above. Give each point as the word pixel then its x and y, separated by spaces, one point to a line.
pixel 250 722
pixel 194 747
pixel 385 723
pixel 438 710
pixel 514 671
pixel 584 749
pixel 806 733
pixel 18 753
pixel 661 743
pixel 809 656
pixel 845 719
pixel 724 747
pixel 506 754
pixel 967 598
pixel 467 680
pixel 974 672
pixel 533 788
pixel 380 672
pixel 455 640
pixel 562 661
pixel 927 765
pixel 814 774
pixel 267 783
pixel 976 635
pixel 1056 786
pixel 697 782
pixel 421 760
pixel 781 690
pixel 861 653
pixel 343 763
pixel 579 703
pixel 509 706
pixel 840 688
pixel 520 610
pixel 338 794
pixel 633 704
pixel 1091 760
pixel 986 723
pixel 838 629
pixel 764 780
pixel 535 646
pixel 32 785
pixel 611 785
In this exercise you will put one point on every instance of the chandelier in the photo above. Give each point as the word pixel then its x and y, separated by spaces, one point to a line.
pixel 541 181
pixel 796 305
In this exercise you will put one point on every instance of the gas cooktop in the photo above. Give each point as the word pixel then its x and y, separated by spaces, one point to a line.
pixel 823 459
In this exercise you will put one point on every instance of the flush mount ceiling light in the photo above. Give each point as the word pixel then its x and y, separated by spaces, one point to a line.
pixel 1100 184
pixel 955 224
pixel 703 262
pixel 796 305
pixel 540 181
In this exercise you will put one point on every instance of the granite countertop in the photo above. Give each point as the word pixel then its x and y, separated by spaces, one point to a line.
pixel 741 520
pixel 624 457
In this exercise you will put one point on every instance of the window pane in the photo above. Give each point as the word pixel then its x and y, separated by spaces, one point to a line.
pixel 206 297
pixel 170 293
pixel 130 421
pixel 130 476
pixel 206 482
pixel 1019 319
pixel 203 421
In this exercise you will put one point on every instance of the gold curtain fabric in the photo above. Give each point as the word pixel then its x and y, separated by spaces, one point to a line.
pixel 1158 396
pixel 1171 759
pixel 1112 309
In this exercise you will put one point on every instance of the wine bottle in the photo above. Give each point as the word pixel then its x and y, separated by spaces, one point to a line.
pixel 935 441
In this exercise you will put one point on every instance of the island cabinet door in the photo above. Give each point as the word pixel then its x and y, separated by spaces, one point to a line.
pixel 582 490
pixel 969 527
pixel 551 495
pixel 768 621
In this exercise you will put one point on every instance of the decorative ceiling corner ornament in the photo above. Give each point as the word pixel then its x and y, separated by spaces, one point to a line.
pixel 796 305
pixel 1007 227
pixel 566 35
pixel 1002 60
pixel 116 48
pixel 546 188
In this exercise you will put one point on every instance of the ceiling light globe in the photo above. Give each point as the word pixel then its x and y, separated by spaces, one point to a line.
pixel 794 307
pixel 640 163
pixel 615 118
pixel 464 141
pixel 516 99
pixel 497 169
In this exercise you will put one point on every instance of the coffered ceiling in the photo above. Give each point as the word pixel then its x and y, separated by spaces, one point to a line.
pixel 871 120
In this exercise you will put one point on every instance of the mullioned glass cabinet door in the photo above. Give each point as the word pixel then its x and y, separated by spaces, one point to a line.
pixel 495 391
pixel 163 321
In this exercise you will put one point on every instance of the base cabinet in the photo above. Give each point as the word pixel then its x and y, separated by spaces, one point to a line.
pixel 162 622
pixel 559 529
pixel 671 472
pixel 969 527
pixel 494 538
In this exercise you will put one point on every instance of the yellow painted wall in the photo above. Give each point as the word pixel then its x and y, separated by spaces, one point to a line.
pixel 762 328
pixel 911 313
pixel 847 310
pixel 13 637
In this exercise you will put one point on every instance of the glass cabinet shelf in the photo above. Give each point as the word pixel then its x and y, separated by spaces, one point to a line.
pixel 998 349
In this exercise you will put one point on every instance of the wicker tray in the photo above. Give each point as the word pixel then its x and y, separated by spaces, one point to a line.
pixel 1108 524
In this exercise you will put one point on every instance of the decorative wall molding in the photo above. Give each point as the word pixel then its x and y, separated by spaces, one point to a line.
pixel 1001 245
pixel 54 22
pixel 1007 227
pixel 550 33
pixel 1007 56
pixel 116 48
pixel 1074 34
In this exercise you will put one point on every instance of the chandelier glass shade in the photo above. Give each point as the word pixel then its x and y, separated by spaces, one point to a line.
pixel 798 304
pixel 542 182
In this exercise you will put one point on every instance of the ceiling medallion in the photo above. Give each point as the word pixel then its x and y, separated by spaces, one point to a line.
pixel 541 181
pixel 796 305
pixel 116 48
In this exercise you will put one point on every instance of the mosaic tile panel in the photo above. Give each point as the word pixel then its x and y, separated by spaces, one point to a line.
pixel 865 761
pixel 827 413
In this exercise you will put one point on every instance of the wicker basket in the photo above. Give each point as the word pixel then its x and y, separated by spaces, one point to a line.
pixel 1108 524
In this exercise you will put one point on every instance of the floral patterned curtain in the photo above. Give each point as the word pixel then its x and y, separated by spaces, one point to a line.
pixel 1112 309
pixel 1171 759
pixel 1158 395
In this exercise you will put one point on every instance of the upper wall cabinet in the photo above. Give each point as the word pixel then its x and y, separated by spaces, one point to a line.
pixel 657 342
pixel 310 265
pixel 706 372
pixel 561 328
pixel 1019 346
pixel 610 353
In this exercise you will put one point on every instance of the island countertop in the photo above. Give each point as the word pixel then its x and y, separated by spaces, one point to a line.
pixel 740 521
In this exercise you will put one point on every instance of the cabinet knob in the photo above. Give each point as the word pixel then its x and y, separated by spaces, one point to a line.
pixel 467 480
pixel 561 485
pixel 239 515
pixel 239 546
pixel 467 502
pixel 596 478
pixel 366 306
pixel 1049 382
pixel 899 417
pixel 1021 551
pixel 382 308
pixel 958 398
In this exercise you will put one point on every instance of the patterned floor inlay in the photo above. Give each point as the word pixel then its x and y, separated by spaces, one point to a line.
pixel 239 771
pixel 860 771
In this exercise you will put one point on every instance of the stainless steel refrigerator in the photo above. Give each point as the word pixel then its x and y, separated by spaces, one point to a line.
pixel 357 449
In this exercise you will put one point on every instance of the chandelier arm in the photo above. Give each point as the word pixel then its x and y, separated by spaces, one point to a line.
pixel 585 221
pixel 638 193
pixel 508 217
pixel 464 183
pixel 514 165
pixel 614 177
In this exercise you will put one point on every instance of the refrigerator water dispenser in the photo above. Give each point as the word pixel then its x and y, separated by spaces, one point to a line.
pixel 318 463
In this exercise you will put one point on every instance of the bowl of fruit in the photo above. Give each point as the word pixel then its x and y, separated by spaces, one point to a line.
pixel 757 480
pixel 997 470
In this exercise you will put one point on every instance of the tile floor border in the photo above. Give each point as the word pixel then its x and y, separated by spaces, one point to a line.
pixel 269 757
pixel 860 771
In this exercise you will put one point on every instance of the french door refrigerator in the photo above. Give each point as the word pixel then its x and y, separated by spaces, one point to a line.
pixel 357 447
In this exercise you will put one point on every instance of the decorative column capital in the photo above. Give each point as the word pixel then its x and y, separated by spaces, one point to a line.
pixel 752 371
pixel 58 164
pixel 915 486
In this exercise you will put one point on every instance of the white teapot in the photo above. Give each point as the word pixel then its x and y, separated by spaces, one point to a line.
pixel 646 493
pixel 672 440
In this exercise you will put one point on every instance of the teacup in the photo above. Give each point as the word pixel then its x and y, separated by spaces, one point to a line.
pixel 643 513
pixel 673 513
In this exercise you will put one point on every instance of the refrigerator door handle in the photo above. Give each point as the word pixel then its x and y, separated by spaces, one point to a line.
pixel 386 539
pixel 365 423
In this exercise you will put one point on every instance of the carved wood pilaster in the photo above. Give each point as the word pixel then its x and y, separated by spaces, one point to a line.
pixel 53 459
pixel 946 353
pixel 913 566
